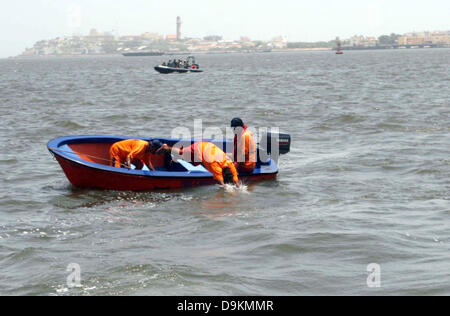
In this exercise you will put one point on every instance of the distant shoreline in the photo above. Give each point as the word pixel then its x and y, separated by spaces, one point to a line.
pixel 284 50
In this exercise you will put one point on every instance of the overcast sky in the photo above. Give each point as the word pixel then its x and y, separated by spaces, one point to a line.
pixel 23 22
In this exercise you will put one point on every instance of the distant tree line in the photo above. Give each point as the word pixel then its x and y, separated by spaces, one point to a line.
pixel 388 39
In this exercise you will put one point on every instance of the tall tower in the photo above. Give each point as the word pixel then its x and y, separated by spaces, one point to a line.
pixel 178 28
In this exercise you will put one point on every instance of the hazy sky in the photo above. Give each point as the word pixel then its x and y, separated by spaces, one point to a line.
pixel 23 22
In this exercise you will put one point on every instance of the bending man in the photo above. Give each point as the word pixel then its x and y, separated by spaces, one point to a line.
pixel 124 152
pixel 210 156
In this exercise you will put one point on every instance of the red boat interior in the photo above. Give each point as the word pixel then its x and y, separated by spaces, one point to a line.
pixel 99 153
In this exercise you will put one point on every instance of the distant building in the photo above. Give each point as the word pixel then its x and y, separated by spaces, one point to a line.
pixel 171 37
pixel 94 32
pixel 152 36
pixel 279 42
pixel 425 38
pixel 213 38
pixel 193 41
pixel 359 40
pixel 130 38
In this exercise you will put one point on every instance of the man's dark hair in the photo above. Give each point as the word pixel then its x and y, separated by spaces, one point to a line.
pixel 227 175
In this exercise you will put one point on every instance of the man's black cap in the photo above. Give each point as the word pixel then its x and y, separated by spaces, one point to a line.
pixel 155 144
pixel 237 122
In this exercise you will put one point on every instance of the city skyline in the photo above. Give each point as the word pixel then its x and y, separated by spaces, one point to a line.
pixel 260 20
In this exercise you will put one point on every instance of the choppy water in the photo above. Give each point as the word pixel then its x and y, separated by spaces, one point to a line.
pixel 367 180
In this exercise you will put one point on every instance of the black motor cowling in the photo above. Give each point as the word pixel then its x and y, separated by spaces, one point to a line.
pixel 273 144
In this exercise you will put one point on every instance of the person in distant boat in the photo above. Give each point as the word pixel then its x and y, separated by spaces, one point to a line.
pixel 244 146
pixel 164 64
pixel 135 151
pixel 210 156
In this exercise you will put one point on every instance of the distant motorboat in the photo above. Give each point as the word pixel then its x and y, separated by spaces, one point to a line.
pixel 168 70
pixel 142 54
pixel 179 67
pixel 339 52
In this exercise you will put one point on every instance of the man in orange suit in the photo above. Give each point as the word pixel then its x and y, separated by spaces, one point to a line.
pixel 244 147
pixel 211 157
pixel 124 152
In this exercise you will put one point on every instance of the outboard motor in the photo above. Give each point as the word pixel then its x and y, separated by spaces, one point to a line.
pixel 272 145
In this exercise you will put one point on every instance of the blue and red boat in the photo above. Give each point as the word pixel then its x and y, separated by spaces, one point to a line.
pixel 85 161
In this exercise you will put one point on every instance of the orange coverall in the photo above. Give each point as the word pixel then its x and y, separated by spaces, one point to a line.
pixel 133 148
pixel 245 151
pixel 211 157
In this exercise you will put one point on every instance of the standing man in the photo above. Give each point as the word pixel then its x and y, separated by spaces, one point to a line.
pixel 244 146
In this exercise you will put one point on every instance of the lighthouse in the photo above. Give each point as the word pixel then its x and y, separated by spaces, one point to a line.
pixel 178 28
